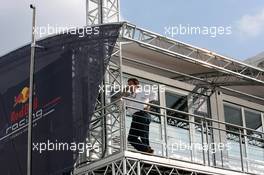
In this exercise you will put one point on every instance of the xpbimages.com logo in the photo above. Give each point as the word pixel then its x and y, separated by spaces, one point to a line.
pixel 147 89
pixel 64 146
pixel 210 31
pixel 73 30
pixel 212 147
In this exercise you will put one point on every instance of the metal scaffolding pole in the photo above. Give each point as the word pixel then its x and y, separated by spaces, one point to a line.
pixel 31 84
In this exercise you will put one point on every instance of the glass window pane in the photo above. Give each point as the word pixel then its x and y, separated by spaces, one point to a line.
pixel 233 115
pixel 253 120
pixel 199 105
pixel 254 139
pixel 178 129
pixel 177 102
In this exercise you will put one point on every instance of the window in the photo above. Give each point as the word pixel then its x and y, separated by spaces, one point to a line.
pixel 254 139
pixel 233 115
pixel 180 103
pixel 253 120
pixel 252 143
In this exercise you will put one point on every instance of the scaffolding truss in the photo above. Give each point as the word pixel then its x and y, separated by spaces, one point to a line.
pixel 136 167
pixel 102 11
pixel 225 69
pixel 106 115
pixel 138 164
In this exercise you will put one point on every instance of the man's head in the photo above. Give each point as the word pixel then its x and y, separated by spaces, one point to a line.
pixel 133 84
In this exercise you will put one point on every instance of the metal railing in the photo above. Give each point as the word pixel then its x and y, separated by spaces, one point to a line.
pixel 183 136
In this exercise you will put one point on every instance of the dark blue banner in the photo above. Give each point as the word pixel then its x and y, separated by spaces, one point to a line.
pixel 69 70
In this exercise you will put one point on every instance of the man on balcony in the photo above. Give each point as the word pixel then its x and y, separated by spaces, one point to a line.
pixel 138 135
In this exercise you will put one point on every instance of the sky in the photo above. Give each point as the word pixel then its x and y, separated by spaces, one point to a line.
pixel 242 21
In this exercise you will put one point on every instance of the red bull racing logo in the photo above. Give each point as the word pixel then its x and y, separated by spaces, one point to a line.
pixel 21 105
pixel 19 114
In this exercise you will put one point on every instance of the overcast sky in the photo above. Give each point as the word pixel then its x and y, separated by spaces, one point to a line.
pixel 246 18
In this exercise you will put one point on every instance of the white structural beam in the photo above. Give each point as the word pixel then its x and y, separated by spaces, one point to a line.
pixel 221 64
pixel 102 11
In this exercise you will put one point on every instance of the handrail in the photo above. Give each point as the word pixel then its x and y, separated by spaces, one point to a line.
pixel 194 115
pixel 196 123
pixel 208 129
pixel 184 113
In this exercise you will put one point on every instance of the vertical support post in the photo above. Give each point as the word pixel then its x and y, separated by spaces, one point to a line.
pixel 163 124
pixel 123 133
pixel 219 135
pixel 166 134
pixel 191 122
pixel 31 84
pixel 246 163
pixel 138 167
pixel 113 168
pixel 202 131
pixel 241 150
pixel 100 12
pixel 207 141
pixel 124 166
pixel 87 12
pixel 122 103
pixel 108 117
